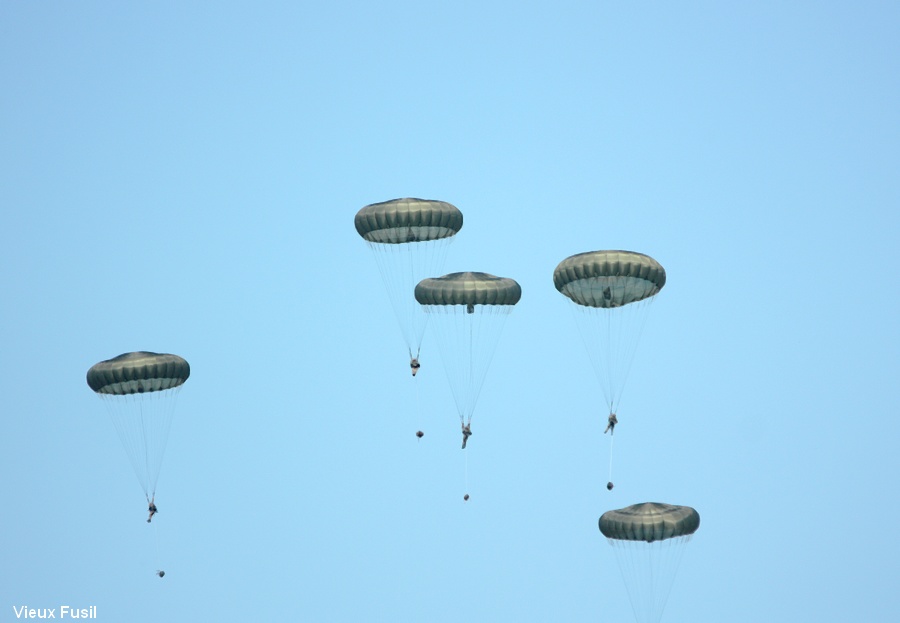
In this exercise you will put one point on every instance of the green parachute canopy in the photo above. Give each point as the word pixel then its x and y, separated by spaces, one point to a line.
pixel 609 279
pixel 649 522
pixel 468 288
pixel 408 220
pixel 138 372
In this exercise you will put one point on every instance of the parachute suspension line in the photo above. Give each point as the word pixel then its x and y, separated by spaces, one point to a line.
pixel 638 319
pixel 161 423
pixel 466 459
pixel 394 262
pixel 414 317
pixel 418 415
pixel 401 267
pixel 147 446
pixel 120 410
pixel 611 337
pixel 649 570
pixel 142 422
pixel 472 338
pixel 156 542
pixel 610 382
pixel 611 438
pixel 661 583
pixel 471 372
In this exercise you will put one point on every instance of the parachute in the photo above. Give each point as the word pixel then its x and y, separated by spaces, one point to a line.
pixel 611 292
pixel 468 310
pixel 648 540
pixel 139 390
pixel 409 238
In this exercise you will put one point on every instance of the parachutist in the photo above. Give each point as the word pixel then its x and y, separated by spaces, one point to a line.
pixel 414 365
pixel 466 432
pixel 420 434
pixel 609 486
pixel 161 573
pixel 611 424
pixel 143 385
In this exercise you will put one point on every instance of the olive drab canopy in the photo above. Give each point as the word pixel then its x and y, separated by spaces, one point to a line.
pixel 409 239
pixel 609 279
pixel 408 220
pixel 135 373
pixel 468 289
pixel 139 390
pixel 649 522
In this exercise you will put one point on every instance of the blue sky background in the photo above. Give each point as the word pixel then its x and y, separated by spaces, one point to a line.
pixel 183 178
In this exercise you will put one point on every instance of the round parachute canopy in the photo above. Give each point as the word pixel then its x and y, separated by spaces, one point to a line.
pixel 408 220
pixel 609 279
pixel 649 522
pixel 138 373
pixel 468 289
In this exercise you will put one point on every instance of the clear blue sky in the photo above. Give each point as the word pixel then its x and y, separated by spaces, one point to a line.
pixel 183 177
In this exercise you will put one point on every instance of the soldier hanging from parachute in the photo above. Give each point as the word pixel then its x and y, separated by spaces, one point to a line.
pixel 611 292
pixel 468 311
pixel 139 390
